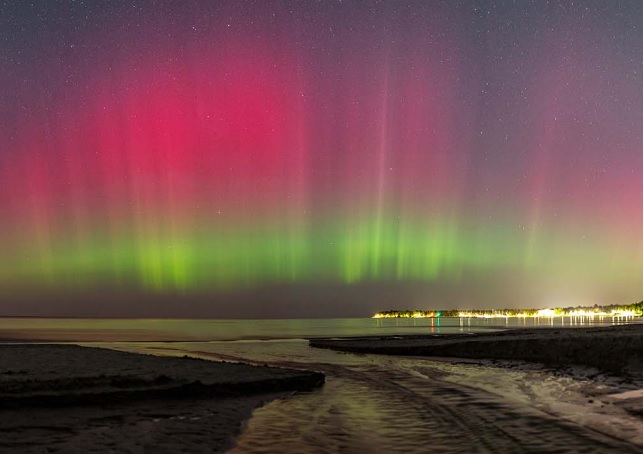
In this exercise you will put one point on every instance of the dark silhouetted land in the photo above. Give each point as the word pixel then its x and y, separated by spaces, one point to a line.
pixel 66 398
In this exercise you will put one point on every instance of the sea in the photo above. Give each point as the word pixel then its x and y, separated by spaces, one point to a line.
pixel 168 330
pixel 386 404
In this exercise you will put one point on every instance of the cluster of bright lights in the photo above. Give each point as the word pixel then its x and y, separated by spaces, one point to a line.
pixel 553 313
pixel 407 314
pixel 538 313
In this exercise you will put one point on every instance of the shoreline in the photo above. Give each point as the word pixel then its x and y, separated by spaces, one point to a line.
pixel 67 398
pixel 71 398
pixel 593 353
pixel 612 349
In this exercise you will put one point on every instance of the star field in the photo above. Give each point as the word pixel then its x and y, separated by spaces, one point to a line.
pixel 205 148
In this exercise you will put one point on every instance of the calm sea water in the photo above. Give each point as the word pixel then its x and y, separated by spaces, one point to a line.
pixel 61 329
pixel 381 404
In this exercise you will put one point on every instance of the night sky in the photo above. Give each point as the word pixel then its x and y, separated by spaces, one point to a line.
pixel 332 158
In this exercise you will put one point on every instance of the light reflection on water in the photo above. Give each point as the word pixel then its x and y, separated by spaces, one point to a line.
pixel 373 403
pixel 388 404
pixel 205 330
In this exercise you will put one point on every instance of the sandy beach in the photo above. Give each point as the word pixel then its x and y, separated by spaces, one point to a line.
pixel 66 398
pixel 73 399
pixel 613 349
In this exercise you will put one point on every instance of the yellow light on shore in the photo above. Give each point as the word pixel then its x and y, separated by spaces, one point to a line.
pixel 623 313
pixel 545 313
pixel 550 313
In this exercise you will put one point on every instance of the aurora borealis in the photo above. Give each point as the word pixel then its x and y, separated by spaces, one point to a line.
pixel 171 149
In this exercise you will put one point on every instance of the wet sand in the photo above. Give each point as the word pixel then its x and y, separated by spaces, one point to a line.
pixel 613 349
pixel 616 350
pixel 66 398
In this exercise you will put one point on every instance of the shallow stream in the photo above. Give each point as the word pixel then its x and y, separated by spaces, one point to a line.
pixel 388 404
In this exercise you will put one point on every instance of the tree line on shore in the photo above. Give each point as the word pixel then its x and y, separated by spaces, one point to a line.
pixel 635 308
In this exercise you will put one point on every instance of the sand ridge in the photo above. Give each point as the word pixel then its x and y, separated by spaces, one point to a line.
pixel 68 398
pixel 614 349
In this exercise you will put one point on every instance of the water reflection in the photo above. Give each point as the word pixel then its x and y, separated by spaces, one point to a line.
pixel 387 404
pixel 87 330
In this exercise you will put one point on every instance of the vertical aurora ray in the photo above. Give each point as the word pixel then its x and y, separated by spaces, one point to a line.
pixel 222 147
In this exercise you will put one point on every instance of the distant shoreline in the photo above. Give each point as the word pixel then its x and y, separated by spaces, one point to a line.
pixel 633 310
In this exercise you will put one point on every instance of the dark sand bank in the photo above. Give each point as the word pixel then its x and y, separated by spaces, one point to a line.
pixel 65 398
pixel 613 349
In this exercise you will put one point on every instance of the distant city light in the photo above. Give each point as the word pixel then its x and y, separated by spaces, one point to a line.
pixel 626 311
